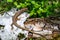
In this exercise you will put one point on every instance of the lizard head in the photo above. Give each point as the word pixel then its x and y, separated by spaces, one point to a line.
pixel 24 9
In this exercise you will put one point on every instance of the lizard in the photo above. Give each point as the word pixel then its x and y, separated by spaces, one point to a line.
pixel 15 18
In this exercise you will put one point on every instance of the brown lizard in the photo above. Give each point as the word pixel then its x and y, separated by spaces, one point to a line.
pixel 15 18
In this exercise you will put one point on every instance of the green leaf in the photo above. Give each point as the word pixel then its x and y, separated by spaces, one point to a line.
pixel 22 5
pixel 15 3
pixel 36 5
pixel 27 0
pixel 27 4
pixel 38 11
pixel 33 2
pixel 32 12
pixel 18 6
pixel 9 0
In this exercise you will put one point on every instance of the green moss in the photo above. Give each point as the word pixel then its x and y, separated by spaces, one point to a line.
pixel 20 36
pixel 42 8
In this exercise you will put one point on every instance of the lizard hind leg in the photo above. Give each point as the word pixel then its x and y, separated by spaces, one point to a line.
pixel 12 26
pixel 18 18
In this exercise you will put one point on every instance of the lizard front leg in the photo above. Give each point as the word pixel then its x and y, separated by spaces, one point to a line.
pixel 18 18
